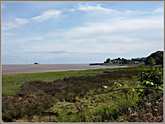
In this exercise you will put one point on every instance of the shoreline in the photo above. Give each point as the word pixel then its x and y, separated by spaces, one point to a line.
pixel 41 68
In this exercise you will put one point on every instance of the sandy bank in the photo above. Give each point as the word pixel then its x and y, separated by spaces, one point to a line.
pixel 39 68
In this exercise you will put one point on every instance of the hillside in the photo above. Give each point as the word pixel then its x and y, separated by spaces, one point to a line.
pixel 155 58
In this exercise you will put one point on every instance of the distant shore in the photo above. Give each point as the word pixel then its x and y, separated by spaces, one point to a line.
pixel 39 68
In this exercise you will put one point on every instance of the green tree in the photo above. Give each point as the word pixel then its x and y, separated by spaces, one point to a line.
pixel 152 61
pixel 124 61
pixel 157 56
pixel 108 60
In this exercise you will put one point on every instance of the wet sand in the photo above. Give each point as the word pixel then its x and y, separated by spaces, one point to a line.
pixel 39 68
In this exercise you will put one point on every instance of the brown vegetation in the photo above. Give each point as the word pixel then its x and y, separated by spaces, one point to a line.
pixel 37 96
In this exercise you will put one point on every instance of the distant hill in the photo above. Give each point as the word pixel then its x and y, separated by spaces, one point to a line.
pixel 155 58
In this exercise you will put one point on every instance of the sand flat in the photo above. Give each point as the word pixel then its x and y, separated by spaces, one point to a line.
pixel 39 68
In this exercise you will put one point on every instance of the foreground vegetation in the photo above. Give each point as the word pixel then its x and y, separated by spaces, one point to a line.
pixel 102 95
pixel 11 84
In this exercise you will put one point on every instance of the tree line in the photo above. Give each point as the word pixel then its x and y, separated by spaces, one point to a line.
pixel 155 58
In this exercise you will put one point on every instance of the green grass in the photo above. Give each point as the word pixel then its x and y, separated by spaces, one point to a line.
pixel 11 83
pixel 86 102
pixel 93 108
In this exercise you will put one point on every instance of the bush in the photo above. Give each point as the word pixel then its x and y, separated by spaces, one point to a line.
pixel 152 78
pixel 17 107
pixel 150 105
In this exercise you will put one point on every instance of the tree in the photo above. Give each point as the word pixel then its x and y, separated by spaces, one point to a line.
pixel 124 61
pixel 157 56
pixel 108 60
pixel 152 61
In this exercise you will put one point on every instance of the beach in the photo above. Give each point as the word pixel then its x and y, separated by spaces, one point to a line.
pixel 39 68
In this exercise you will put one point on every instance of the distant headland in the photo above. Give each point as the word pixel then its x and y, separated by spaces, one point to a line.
pixel 155 58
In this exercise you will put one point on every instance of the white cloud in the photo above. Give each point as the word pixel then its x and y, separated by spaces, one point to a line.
pixel 98 9
pixel 21 21
pixel 38 38
pixel 24 40
pixel 158 10
pixel 118 25
pixel 14 24
pixel 70 10
pixel 47 15
pixel 95 8
pixel 9 25
pixel 7 34
pixel 133 12
pixel 17 22
pixel 123 35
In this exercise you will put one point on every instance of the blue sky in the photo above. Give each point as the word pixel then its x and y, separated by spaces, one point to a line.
pixel 79 32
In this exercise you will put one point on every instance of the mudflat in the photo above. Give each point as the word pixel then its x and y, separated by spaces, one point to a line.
pixel 38 68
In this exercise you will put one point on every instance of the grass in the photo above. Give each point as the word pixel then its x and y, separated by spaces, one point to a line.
pixel 11 83
pixel 71 96
pixel 95 108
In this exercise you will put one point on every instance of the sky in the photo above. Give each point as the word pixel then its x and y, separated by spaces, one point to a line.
pixel 79 32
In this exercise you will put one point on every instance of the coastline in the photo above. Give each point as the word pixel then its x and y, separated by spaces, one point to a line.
pixel 41 68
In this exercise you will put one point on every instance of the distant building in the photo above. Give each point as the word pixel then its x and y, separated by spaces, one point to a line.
pixel 136 62
pixel 126 61
pixel 118 61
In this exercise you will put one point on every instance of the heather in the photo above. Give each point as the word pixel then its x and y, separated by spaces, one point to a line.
pixel 112 95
